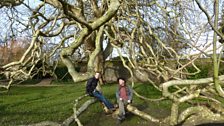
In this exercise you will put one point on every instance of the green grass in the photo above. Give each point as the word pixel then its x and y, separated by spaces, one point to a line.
pixel 25 105
pixel 62 82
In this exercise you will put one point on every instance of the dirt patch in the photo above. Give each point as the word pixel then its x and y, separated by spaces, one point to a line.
pixel 45 82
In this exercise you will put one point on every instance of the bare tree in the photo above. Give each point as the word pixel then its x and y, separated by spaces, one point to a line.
pixel 150 37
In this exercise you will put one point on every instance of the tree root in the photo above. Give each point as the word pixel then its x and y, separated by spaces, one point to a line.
pixel 143 115
pixel 74 117
pixel 199 115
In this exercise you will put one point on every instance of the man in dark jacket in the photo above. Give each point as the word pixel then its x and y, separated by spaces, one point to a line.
pixel 92 91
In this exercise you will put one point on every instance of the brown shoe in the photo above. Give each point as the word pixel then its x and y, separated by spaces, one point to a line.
pixel 113 109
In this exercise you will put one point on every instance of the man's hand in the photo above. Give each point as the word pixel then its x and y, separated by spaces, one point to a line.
pixel 91 94
pixel 129 101
pixel 121 99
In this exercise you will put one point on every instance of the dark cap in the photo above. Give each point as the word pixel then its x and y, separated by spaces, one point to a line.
pixel 121 78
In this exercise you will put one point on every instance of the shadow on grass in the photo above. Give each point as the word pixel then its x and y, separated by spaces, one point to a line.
pixel 2 109
pixel 212 124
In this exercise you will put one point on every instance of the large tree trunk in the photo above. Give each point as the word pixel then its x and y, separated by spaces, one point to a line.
pixel 215 62
pixel 66 52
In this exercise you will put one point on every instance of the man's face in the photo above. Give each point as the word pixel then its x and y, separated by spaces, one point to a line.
pixel 121 82
pixel 97 75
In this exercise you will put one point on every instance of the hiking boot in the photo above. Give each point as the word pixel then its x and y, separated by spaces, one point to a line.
pixel 108 114
pixel 121 118
pixel 113 109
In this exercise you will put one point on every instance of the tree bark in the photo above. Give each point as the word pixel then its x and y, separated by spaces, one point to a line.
pixel 10 3
pixel 143 115
pixel 215 63
pixel 66 52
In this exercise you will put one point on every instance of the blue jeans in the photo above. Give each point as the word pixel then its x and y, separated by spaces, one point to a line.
pixel 101 98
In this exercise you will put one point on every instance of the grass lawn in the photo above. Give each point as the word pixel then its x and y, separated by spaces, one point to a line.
pixel 25 105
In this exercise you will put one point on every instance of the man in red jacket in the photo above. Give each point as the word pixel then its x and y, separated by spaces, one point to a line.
pixel 124 95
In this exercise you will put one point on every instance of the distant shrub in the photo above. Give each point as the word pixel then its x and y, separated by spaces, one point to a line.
pixel 206 70
pixel 61 71
pixel 2 77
